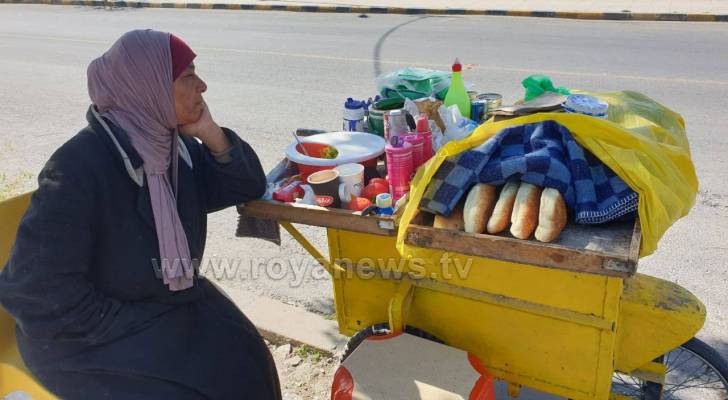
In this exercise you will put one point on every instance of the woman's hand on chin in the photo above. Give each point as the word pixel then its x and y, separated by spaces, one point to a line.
pixel 207 131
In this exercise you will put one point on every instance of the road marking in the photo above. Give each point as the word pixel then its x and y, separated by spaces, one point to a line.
pixel 682 80
pixel 53 38
pixel 479 67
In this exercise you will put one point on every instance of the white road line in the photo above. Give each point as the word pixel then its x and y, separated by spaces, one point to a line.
pixel 681 80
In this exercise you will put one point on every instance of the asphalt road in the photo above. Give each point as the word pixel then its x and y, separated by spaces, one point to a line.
pixel 271 72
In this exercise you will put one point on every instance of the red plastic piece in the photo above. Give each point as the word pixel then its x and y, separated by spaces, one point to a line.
pixel 423 123
pixel 483 388
pixel 343 386
pixel 289 193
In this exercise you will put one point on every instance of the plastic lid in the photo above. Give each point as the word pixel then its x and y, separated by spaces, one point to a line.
pixel 585 104
pixel 352 104
pixel 456 66
pixel 423 124
pixel 384 200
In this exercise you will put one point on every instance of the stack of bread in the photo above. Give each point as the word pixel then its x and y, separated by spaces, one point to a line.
pixel 528 209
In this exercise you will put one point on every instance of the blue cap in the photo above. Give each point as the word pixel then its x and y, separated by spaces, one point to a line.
pixel 352 104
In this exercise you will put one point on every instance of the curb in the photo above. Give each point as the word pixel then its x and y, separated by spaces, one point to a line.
pixel 610 16
pixel 284 323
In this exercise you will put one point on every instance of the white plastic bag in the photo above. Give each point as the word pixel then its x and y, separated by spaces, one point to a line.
pixel 457 127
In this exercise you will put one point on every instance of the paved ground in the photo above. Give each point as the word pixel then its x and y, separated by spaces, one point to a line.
pixel 270 72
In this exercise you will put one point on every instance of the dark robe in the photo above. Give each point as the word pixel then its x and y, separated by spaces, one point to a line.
pixel 94 318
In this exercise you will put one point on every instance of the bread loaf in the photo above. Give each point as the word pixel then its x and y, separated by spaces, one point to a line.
pixel 478 207
pixel 552 215
pixel 501 215
pixel 525 210
pixel 454 221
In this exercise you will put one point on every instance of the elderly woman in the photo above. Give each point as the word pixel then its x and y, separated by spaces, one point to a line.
pixel 103 277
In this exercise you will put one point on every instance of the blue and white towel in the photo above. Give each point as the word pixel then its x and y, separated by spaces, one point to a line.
pixel 543 154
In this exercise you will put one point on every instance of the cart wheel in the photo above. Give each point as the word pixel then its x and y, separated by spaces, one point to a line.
pixel 694 371
pixel 381 330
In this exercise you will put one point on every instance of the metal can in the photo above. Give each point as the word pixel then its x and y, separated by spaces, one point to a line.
pixel 477 110
pixel 395 124
pixel 492 101
pixel 473 95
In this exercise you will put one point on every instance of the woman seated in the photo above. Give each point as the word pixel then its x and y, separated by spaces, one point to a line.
pixel 103 279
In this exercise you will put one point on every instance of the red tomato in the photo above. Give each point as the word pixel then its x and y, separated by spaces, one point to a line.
pixel 379 180
pixel 371 190
pixel 359 204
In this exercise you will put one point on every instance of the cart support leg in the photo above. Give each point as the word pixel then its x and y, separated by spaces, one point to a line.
pixel 330 267
pixel 399 305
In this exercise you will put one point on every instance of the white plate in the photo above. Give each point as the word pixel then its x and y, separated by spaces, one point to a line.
pixel 353 147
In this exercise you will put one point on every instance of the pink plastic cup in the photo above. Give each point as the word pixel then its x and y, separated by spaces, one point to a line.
pixel 417 142
pixel 399 169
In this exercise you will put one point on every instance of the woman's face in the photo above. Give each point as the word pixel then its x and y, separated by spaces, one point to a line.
pixel 188 89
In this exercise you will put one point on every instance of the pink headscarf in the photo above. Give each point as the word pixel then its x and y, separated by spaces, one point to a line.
pixel 132 85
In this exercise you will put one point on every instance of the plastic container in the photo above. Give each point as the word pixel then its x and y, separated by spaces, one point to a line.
pixel 399 169
pixel 354 112
pixel 587 105
pixel 457 94
pixel 313 149
pixel 417 143
pixel 352 147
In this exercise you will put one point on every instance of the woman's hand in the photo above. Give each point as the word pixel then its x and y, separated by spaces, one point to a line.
pixel 207 131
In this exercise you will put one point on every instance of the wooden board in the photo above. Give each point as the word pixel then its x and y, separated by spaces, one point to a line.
pixel 607 249
pixel 315 215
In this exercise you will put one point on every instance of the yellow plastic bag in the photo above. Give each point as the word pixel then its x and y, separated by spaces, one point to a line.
pixel 643 142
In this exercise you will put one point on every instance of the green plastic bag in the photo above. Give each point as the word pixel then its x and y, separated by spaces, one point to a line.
pixel 537 85
pixel 414 83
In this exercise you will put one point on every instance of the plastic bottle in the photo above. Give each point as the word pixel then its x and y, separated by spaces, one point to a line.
pixel 354 112
pixel 457 94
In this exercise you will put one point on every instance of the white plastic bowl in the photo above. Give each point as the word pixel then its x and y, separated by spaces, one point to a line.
pixel 353 147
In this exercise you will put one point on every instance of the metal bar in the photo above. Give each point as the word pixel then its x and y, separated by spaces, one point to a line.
pixel 330 267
